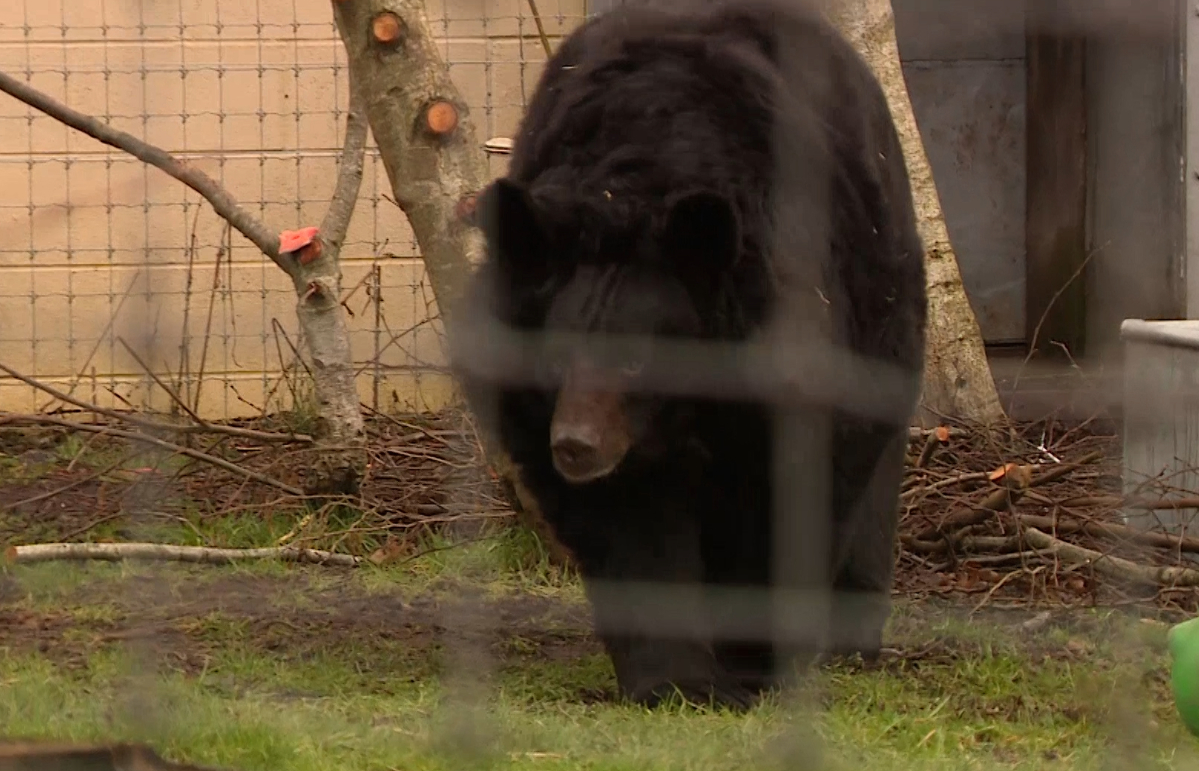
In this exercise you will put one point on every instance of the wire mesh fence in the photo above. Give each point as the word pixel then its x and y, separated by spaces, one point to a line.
pixel 434 632
pixel 100 247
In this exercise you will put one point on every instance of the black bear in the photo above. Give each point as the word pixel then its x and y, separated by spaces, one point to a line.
pixel 688 183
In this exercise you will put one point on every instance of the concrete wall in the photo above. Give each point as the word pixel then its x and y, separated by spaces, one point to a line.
pixel 95 247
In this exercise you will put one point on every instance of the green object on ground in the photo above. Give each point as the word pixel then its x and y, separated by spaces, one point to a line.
pixel 1184 677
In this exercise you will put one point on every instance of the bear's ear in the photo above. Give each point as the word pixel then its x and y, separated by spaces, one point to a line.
pixel 702 229
pixel 506 214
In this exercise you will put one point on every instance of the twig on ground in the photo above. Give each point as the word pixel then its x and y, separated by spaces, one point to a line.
pixel 169 391
pixel 1142 504
pixel 996 544
pixel 1013 480
pixel 92 525
pixel 1059 470
pixel 1111 530
pixel 1111 566
pixel 1000 559
pixel 941 484
pixel 915 432
pixel 46 552
pixel 290 534
pixel 991 592
pixel 936 438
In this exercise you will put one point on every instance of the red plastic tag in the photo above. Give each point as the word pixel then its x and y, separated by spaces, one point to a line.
pixel 294 240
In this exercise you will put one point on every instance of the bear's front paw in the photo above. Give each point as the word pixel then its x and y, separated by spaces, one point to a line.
pixel 724 693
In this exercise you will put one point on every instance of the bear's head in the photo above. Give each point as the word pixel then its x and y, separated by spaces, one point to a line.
pixel 609 293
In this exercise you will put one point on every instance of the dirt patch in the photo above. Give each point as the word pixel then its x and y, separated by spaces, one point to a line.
pixel 182 623
pixel 59 505
pixel 47 498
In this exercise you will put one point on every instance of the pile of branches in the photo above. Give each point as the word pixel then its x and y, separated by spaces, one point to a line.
pixel 1038 512
pixel 1027 510
pixel 424 474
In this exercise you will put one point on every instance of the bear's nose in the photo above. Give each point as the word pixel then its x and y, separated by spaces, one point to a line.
pixel 576 453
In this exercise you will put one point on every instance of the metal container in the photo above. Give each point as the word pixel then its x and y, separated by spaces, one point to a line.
pixel 1161 421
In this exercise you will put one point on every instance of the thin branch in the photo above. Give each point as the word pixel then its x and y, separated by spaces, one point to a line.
pixel 156 442
pixel 1059 470
pixel 222 202
pixel 1143 504
pixel 46 552
pixel 941 484
pixel 916 432
pixel 169 391
pixel 1113 531
pixel 153 425
pixel 349 177
pixel 112 318
pixel 545 41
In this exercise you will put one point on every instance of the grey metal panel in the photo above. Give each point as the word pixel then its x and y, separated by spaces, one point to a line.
pixel 1161 424
pixel 959 29
pixel 1171 333
pixel 971 117
pixel 1136 224
pixel 1190 189
pixel 964 65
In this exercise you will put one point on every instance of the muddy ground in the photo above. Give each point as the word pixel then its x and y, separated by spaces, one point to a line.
pixel 180 617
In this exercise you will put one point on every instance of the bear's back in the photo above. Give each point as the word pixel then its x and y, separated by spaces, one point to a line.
pixel 760 101
pixel 648 100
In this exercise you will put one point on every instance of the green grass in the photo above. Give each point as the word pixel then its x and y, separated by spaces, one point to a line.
pixel 269 666
pixel 271 683
pixel 249 712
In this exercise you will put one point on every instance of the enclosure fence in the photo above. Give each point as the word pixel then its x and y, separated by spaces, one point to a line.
pixel 115 279
pixel 98 250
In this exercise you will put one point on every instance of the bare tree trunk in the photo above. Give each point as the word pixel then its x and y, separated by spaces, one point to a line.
pixel 434 161
pixel 957 378
pixel 317 280
pixel 313 267
pixel 425 134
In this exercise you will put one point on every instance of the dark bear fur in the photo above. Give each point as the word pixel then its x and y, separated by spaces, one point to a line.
pixel 725 172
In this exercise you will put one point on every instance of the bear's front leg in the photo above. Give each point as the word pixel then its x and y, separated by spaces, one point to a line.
pixel 644 578
pixel 867 538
